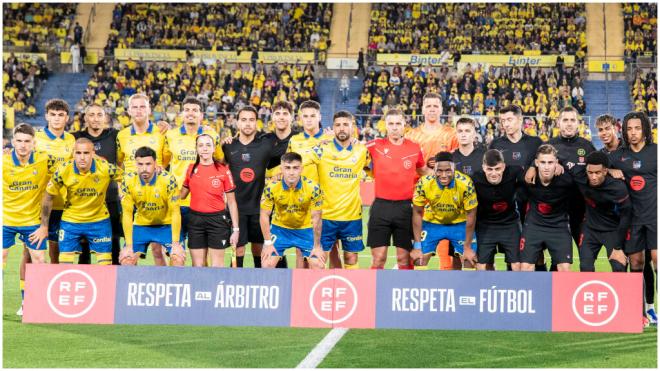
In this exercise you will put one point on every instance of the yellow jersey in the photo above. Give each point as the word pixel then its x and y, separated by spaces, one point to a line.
pixel 445 205
pixel 340 171
pixel 303 144
pixel 154 203
pixel 23 187
pixel 292 207
pixel 85 202
pixel 128 141
pixel 180 148
pixel 61 148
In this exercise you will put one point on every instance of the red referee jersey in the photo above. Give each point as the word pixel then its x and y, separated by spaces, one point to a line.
pixel 395 168
pixel 208 186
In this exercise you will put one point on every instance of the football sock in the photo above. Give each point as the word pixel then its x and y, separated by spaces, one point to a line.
pixel 21 284
pixel 541 267
pixel 282 263
pixel 66 257
pixel 239 261
pixel 104 258
pixel 257 261
pixel 617 267
pixel 446 261
pixel 351 266
pixel 421 268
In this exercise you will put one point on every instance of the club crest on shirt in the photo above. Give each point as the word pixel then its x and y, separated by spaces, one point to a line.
pixel 245 157
pixel 516 155
pixel 637 164
pixel 581 152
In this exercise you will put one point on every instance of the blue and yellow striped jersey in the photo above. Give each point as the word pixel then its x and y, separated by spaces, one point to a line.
pixel 61 148
pixel 292 207
pixel 445 205
pixel 23 186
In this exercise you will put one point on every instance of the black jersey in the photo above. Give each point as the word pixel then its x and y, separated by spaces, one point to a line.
pixel 279 147
pixel 608 207
pixel 469 164
pixel 247 163
pixel 522 153
pixel 497 202
pixel 572 153
pixel 548 205
pixel 641 172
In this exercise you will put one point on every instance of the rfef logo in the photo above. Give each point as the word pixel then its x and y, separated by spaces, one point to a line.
pixel 596 302
pixel 334 298
pixel 61 294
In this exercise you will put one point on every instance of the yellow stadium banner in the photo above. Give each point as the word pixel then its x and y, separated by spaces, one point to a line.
pixel 531 52
pixel 516 60
pixel 32 56
pixel 284 57
pixel 90 58
pixel 245 56
pixel 415 59
pixel 599 65
pixel 228 56
pixel 163 55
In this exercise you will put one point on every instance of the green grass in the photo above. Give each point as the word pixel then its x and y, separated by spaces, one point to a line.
pixel 124 346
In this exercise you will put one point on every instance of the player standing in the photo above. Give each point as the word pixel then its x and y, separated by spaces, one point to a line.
pixel 467 158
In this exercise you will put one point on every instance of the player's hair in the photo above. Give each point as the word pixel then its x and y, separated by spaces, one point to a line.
pixel 432 96
pixel 598 158
pixel 84 140
pixel 310 104
pixel 443 156
pixel 145 152
pixel 138 96
pixel 569 109
pixel 192 100
pixel 465 120
pixel 605 118
pixel 646 126
pixel 93 105
pixel 393 112
pixel 57 105
pixel 342 114
pixel 291 157
pixel 493 157
pixel 216 162
pixel 24 128
pixel 283 104
pixel 247 109
pixel 513 108
pixel 546 149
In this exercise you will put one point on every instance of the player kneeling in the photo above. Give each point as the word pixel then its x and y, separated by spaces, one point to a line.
pixel 155 199
pixel 295 203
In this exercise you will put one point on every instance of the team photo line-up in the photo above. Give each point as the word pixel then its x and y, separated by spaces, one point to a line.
pixel 436 192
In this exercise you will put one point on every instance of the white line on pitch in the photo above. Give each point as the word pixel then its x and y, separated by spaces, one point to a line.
pixel 322 349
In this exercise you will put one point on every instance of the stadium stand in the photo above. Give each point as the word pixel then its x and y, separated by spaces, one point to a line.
pixel 22 78
pixel 266 27
pixel 37 26
pixel 478 28
pixel 641 31
pixel 644 92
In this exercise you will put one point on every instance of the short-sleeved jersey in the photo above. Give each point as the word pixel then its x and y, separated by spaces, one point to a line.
pixel 85 202
pixel 23 187
pixel 432 141
pixel 340 171
pixel 469 164
pixel 395 168
pixel 445 204
pixel 208 185
pixel 641 172
pixel 153 201
pixel 303 144
pixel 292 207
pixel 128 141
pixel 572 153
pixel 608 206
pixel 497 201
pixel 61 148
pixel 181 148
pixel 520 153
pixel 549 204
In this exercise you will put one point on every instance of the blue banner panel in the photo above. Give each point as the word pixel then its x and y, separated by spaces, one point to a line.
pixel 203 296
pixel 455 300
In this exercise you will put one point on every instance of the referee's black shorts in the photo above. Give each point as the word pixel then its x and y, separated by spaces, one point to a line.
pixel 250 229
pixel 390 224
pixel 210 230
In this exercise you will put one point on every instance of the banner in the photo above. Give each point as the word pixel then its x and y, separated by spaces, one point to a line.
pixel 92 57
pixel 332 63
pixel 415 59
pixel 164 55
pixel 363 298
pixel 598 65
pixel 516 60
pixel 209 56
pixel 32 56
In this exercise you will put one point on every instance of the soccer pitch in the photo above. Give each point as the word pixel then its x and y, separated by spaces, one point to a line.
pixel 103 346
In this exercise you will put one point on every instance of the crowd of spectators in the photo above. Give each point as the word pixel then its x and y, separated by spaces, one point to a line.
pixel 21 80
pixel 223 89
pixel 283 27
pixel 644 92
pixel 641 29
pixel 502 28
pixel 37 26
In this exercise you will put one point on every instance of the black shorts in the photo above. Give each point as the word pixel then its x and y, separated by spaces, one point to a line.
pixel 114 208
pixel 591 242
pixel 557 240
pixel 210 230
pixel 54 225
pixel 390 223
pixel 494 238
pixel 250 229
pixel 640 238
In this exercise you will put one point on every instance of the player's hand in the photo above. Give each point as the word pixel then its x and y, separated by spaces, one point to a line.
pixel 233 239
pixel 177 249
pixel 559 170
pixel 163 126
pixel 618 256
pixel 227 140
pixel 126 252
pixel 318 253
pixel 431 164
pixel 6 150
pixel 37 237
pixel 415 254
pixel 267 251
pixel 530 175
pixel 616 173
pixel 469 255
pixel 159 169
